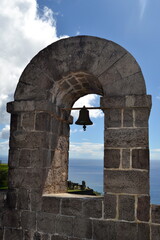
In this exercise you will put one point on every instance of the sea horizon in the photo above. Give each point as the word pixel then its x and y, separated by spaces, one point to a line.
pixel 91 171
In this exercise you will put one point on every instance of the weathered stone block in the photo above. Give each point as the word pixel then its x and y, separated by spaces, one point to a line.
pixel 155 214
pixel 28 220
pixel 112 102
pixel 28 234
pixel 37 158
pixel 140 158
pixel 111 158
pixel 51 205
pixel 126 231
pixel 46 222
pixel 25 158
pixel 28 121
pixel 127 207
pixel 26 178
pixel 13 160
pixel 143 208
pixel 128 118
pixel 43 122
pixel 138 101
pixel 125 158
pixel 37 236
pixel 155 232
pixel 11 199
pixel 1 233
pixel 141 117
pixel 13 234
pixel 126 137
pixel 31 140
pixel 21 106
pixel 72 207
pixel 112 118
pixel 64 225
pixel 82 228
pixel 15 122
pixel 92 207
pixel 134 182
pixel 57 237
pixel 143 231
pixel 11 218
pixel 36 199
pixel 104 229
pixel 110 205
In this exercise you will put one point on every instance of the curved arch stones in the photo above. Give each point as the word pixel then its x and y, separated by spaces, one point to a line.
pixel 38 159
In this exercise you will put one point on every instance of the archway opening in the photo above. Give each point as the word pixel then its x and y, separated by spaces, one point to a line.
pixel 85 172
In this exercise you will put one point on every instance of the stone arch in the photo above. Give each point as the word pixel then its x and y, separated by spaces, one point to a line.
pixel 54 79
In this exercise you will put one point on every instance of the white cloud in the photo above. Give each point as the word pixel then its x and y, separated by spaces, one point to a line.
pixel 158 97
pixel 24 32
pixel 86 150
pixel 4 147
pixel 143 4
pixel 87 101
pixel 4 134
pixel 155 154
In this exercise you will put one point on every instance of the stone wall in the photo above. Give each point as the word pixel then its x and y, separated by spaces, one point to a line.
pixel 37 206
pixel 78 218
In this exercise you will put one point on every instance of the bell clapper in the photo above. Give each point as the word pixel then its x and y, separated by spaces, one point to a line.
pixel 84 127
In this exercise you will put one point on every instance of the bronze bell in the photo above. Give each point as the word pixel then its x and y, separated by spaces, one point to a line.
pixel 84 118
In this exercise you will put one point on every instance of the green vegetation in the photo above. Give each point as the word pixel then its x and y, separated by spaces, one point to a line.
pixel 81 189
pixel 3 176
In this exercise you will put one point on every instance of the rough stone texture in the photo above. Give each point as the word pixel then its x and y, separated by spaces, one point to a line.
pixel 143 231
pixel 43 122
pixel 125 138
pixel 111 158
pixel 82 228
pixel 127 230
pixel 11 218
pixel 23 201
pixel 1 233
pixel 155 232
pixel 110 202
pixel 13 234
pixel 64 225
pixel 103 229
pixel 71 207
pixel 128 101
pixel 117 181
pixel 126 207
pixel 28 220
pixel 140 158
pixel 128 118
pixel 113 118
pixel 141 117
pixel 143 208
pixel 155 214
pixel 57 237
pixel 126 158
pixel 51 205
pixel 92 208
pixel 11 199
pixel 46 222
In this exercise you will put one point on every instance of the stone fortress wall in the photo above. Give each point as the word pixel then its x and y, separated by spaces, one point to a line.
pixel 36 205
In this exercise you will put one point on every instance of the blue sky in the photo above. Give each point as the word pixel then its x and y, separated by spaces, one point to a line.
pixel 28 26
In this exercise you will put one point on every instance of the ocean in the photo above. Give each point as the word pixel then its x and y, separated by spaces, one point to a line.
pixel 91 171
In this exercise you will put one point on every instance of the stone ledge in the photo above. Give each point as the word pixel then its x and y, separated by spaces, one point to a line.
pixel 130 101
pixel 68 195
